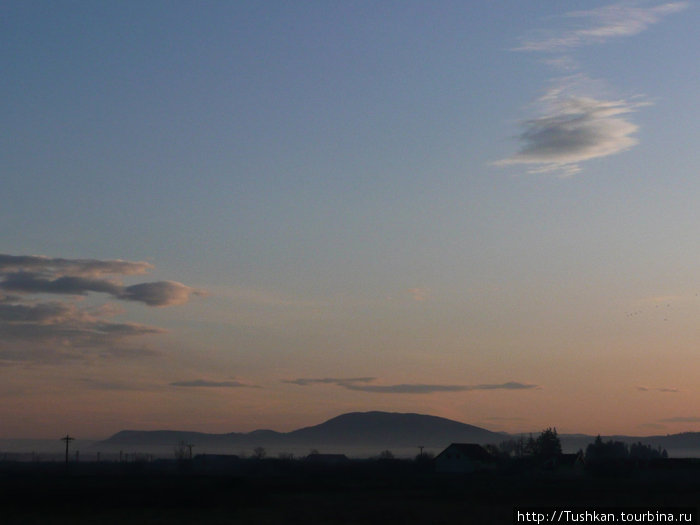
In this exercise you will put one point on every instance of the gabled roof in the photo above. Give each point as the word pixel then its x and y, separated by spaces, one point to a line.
pixel 468 450
pixel 326 457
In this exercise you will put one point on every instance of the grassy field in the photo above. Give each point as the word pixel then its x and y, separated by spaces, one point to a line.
pixel 394 492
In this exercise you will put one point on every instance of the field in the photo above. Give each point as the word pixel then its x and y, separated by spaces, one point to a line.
pixel 276 491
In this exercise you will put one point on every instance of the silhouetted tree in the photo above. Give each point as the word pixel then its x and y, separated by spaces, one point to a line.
pixel 547 444
pixel 425 457
pixel 517 447
pixel 530 446
pixel 386 454
pixel 509 448
pixel 600 451
pixel 259 452
pixel 496 451
pixel 646 452
pixel 180 451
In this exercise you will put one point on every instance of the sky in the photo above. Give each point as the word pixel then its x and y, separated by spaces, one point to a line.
pixel 225 216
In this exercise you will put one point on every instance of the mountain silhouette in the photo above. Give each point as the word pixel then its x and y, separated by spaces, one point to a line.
pixel 393 429
pixel 364 433
pixel 368 430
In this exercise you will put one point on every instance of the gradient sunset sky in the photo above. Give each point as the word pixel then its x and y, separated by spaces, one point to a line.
pixel 223 216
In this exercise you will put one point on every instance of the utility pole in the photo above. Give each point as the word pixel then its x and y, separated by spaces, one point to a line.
pixel 67 438
pixel 421 447
pixel 189 447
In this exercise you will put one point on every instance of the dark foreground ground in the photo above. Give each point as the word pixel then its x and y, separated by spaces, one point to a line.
pixel 275 492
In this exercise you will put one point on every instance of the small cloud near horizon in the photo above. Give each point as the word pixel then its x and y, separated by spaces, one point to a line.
pixel 328 380
pixel 656 426
pixel 357 384
pixel 196 383
pixel 666 390
pixel 98 384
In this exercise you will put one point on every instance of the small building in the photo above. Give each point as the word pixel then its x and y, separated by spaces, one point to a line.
pixel 561 462
pixel 327 459
pixel 217 463
pixel 464 458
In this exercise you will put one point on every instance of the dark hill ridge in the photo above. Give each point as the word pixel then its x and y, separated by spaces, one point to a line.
pixel 161 437
pixel 369 431
pixel 394 429
pixel 357 429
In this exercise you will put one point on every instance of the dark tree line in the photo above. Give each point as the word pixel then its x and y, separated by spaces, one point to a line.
pixel 602 451
pixel 546 446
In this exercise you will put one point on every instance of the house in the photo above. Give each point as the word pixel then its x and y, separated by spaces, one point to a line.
pixel 327 459
pixel 562 462
pixel 464 457
pixel 217 463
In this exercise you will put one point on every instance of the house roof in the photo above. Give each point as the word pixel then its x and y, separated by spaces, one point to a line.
pixel 326 457
pixel 468 450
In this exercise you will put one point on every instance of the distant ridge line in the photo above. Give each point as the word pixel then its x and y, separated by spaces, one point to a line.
pixel 354 428
pixel 373 430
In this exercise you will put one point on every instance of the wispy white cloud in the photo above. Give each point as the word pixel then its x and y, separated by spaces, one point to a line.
pixel 599 25
pixel 61 331
pixel 38 331
pixel 59 267
pixel 160 293
pixel 28 274
pixel 572 130
pixel 575 127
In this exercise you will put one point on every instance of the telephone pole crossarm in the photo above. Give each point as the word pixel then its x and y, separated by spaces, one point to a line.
pixel 67 438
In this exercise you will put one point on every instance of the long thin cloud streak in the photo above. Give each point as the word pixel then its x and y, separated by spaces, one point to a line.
pixel 199 383
pixel 59 266
pixel 681 419
pixel 358 384
pixel 604 23
pixel 429 389
pixel 665 390
pixel 328 380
